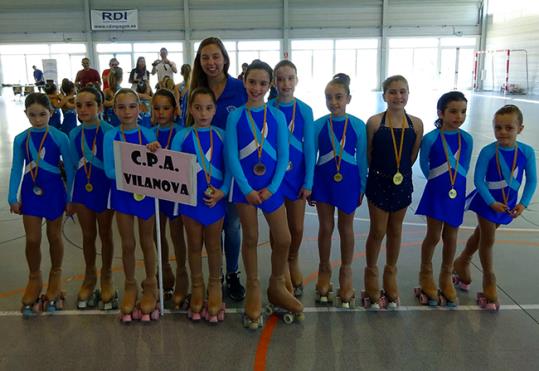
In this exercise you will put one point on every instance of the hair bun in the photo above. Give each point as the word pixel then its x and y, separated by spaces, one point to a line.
pixel 343 78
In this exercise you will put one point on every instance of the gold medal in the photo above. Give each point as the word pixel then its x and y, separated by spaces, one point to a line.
pixel 337 155
pixel 89 187
pixel 337 177
pixel 398 178
pixel 452 193
pixel 138 197
pixel 87 165
pixel 209 191
pixel 505 196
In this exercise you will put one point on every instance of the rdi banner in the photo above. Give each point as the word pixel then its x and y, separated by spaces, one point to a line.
pixel 167 175
pixel 115 19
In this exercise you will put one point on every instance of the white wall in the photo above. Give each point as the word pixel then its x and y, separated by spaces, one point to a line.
pixel 516 27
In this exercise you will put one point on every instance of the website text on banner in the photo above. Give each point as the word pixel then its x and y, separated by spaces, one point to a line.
pixel 164 174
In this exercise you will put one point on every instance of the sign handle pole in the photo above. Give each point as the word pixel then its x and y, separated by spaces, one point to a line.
pixel 159 254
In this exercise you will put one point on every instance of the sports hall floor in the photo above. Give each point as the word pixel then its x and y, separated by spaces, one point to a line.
pixel 412 338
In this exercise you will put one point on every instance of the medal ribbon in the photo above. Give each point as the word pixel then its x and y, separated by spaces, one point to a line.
pixel 169 136
pixel 452 175
pixel 262 132
pixel 139 134
pixel 32 173
pixel 338 158
pixel 207 172
pixel 398 153
pixel 88 170
pixel 513 167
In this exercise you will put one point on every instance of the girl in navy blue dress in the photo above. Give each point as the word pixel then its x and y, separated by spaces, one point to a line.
pixel 68 106
pixel 393 139
pixel 298 180
pixel 90 194
pixel 339 182
pixel 129 206
pixel 498 176
pixel 43 194
pixel 165 111
pixel 445 159
pixel 204 222
pixel 257 155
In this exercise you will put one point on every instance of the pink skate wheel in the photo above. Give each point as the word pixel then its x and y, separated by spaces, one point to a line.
pixel 155 315
pixel 145 318
pixel 137 314
pixel 126 318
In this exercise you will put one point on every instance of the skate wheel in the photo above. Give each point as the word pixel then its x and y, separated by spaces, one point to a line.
pixel 154 316
pixel 136 314
pixel 126 318
pixel 300 317
pixel 269 310
pixel 81 304
pixel 423 299
pixel 298 291
pixel 288 318
pixel 145 318
pixel 221 315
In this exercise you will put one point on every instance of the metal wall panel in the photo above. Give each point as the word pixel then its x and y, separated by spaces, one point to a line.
pixel 518 33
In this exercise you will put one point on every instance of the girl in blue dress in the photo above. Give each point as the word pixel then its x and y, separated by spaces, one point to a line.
pixel 204 222
pixel 56 101
pixel 393 139
pixel 115 80
pixel 68 106
pixel 445 159
pixel 43 194
pixel 498 176
pixel 257 155
pixel 91 189
pixel 339 182
pixel 129 206
pixel 165 111
pixel 298 180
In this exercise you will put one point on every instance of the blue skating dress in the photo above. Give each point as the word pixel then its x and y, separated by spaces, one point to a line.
pixel 97 199
pixel 145 119
pixel 300 170
pixel 121 201
pixel 165 136
pixel 435 202
pixel 242 154
pixel 185 141
pixel 489 183
pixel 380 188
pixel 345 194
pixel 111 117
pixel 70 121
pixel 51 204
pixel 56 119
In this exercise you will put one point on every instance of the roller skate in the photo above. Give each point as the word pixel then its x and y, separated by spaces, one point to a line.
pixel 128 302
pixel 346 297
pixel 426 293
pixel 149 305
pixel 180 298
pixel 31 300
pixel 324 287
pixel 252 316
pixel 282 302
pixel 196 307
pixel 54 298
pixel 168 281
pixel 295 274
pixel 215 311
pixel 461 272
pixel 391 292
pixel 447 292
pixel 88 296
pixel 371 297
pixel 488 299
pixel 109 296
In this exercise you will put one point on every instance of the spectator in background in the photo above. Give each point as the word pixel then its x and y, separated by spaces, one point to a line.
pixel 183 86
pixel 105 75
pixel 139 74
pixel 38 77
pixel 87 76
pixel 243 69
pixel 164 67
